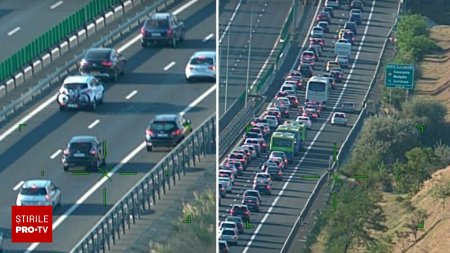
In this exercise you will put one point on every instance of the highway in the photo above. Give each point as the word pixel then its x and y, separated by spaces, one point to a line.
pixel 280 210
pixel 234 27
pixel 149 87
pixel 23 21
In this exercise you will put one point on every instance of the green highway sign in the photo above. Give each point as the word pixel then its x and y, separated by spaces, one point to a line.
pixel 399 76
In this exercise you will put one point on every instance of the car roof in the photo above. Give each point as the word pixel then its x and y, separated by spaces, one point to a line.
pixel 99 49
pixel 77 79
pixel 210 54
pixel 253 197
pixel 82 138
pixel 161 15
pixel 165 117
pixel 36 183
pixel 339 113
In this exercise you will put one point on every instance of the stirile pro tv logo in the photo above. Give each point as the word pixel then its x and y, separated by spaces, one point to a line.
pixel 31 224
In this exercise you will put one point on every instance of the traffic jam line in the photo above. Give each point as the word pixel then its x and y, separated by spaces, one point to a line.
pixel 169 66
pixel 93 124
pixel 266 215
pixel 54 6
pixel 54 155
pixel 13 31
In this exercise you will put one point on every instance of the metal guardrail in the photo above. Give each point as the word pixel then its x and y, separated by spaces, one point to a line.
pixel 72 65
pixel 148 190
pixel 262 81
pixel 343 152
pixel 53 36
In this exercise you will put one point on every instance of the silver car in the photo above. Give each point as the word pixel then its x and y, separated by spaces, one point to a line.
pixel 238 221
pixel 229 224
pixel 339 118
pixel 39 193
pixel 229 235
pixel 226 183
pixel 201 65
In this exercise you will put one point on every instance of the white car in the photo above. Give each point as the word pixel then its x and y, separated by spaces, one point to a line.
pixel 80 91
pixel 201 65
pixel 226 183
pixel 339 118
pixel 355 12
pixel 272 121
pixel 39 192
pixel 343 61
pixel 229 235
pixel 305 120
pixel 317 31
pixel 254 142
pixel 229 224
pixel 283 101
pixel 262 177
pixel 227 173
pixel 289 87
pixel 332 3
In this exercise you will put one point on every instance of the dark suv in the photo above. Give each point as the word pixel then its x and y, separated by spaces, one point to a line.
pixel 84 151
pixel 240 211
pixel 162 27
pixel 167 130
pixel 103 63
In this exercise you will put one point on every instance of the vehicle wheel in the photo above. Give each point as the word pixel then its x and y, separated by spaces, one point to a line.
pixel 62 108
pixel 182 36
pixel 96 166
pixel 100 101
pixel 143 44
pixel 174 42
pixel 103 161
pixel 123 69
pixel 149 148
pixel 66 168
pixel 115 76
pixel 94 105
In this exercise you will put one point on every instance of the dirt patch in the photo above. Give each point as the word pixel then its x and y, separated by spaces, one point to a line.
pixel 435 81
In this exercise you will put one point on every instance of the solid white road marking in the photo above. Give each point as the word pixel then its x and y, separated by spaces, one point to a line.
pixel 52 99
pixel 208 37
pixel 54 155
pixel 18 185
pixel 169 66
pixel 56 5
pixel 13 31
pixel 230 21
pixel 93 124
pixel 266 215
pixel 131 94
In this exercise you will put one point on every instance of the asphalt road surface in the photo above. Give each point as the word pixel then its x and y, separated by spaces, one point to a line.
pixel 149 87
pixel 23 21
pixel 271 226
pixel 234 29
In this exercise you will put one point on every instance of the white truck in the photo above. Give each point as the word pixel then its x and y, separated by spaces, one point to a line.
pixel 342 47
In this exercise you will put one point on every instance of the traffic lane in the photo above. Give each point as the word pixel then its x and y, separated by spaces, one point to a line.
pixel 268 19
pixel 32 19
pixel 140 130
pixel 95 206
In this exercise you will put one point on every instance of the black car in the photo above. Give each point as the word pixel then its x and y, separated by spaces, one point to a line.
pixel 351 26
pixel 251 202
pixel 240 211
pixel 325 26
pixel 84 151
pixel 166 130
pixel 263 187
pixel 275 172
pixel 162 27
pixel 222 190
pixel 329 10
pixel 306 70
pixel 324 16
pixel 356 19
pixel 103 63
pixel 357 4
pixel 253 193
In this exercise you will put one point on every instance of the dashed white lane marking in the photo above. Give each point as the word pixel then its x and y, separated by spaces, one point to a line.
pixel 131 94
pixel 208 37
pixel 169 66
pixel 93 124
pixel 13 31
pixel 54 155
pixel 56 5
pixel 18 185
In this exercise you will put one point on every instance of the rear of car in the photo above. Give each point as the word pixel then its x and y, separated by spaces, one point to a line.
pixel 201 65
pixel 356 19
pixel 275 172
pixel 83 151
pixel 240 211
pixel 79 92
pixel 339 118
pixel 162 28
pixel 332 3
pixel 166 130
pixel 230 235
pixel 33 193
pixel 103 63
pixel 223 247
pixel 251 202
pixel 306 70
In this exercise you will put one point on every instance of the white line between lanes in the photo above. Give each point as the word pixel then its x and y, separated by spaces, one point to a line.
pixel 54 155
pixel 131 94
pixel 18 186
pixel 199 99
pixel 208 37
pixel 230 21
pixel 93 124
pixel 266 215
pixel 13 31
pixel 169 66
pixel 52 99
pixel 56 5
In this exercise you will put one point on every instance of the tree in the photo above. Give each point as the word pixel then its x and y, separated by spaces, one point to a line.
pixel 441 192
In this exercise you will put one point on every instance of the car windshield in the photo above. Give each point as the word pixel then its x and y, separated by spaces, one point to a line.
pixel 228 232
pixel 316 86
pixel 75 86
pixel 202 61
pixel 81 146
pixel 163 126
pixel 279 142
pixel 249 199
pixel 228 225
pixel 97 55
pixel 37 191
pixel 338 115
pixel 158 23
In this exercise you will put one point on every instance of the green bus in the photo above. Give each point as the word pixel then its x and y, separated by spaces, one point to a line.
pixel 297 131
pixel 281 141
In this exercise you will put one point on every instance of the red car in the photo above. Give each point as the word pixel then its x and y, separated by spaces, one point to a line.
pixel 337 74
pixel 294 101
pixel 297 80
pixel 316 105
pixel 281 94
pixel 317 41
pixel 311 113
